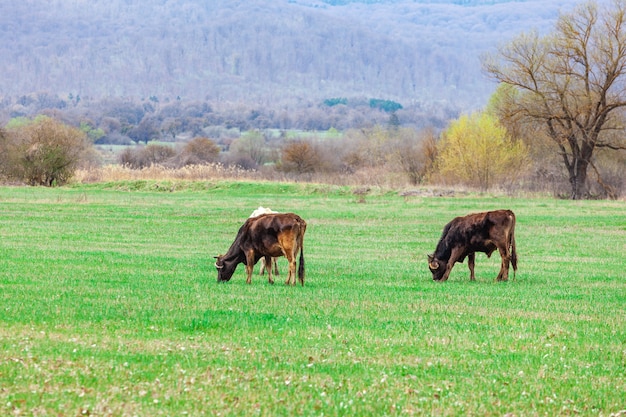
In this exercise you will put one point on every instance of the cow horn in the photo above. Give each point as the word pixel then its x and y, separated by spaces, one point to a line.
pixel 433 265
pixel 218 266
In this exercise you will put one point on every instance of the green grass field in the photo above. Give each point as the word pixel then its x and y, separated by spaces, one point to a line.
pixel 109 306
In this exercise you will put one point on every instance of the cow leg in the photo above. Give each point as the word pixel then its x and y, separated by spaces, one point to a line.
pixel 249 273
pixel 291 275
pixel 267 260
pixel 471 258
pixel 249 266
pixel 504 268
pixel 275 263
pixel 291 259
pixel 286 242
pixel 454 256
pixel 262 268
pixel 292 271
pixel 446 274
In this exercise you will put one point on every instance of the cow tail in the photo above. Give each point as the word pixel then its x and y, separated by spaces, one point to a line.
pixel 513 252
pixel 301 242
pixel 301 266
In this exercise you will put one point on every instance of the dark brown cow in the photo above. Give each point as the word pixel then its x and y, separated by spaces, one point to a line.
pixel 265 236
pixel 480 232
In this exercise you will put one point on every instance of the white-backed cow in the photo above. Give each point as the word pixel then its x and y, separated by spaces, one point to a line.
pixel 273 262
pixel 480 232
pixel 265 236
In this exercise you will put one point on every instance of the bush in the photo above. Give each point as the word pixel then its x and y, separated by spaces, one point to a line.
pixel 300 157
pixel 42 151
pixel 251 147
pixel 416 153
pixel 154 154
pixel 145 156
pixel 199 151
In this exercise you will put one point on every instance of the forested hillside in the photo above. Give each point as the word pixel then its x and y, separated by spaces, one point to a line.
pixel 265 52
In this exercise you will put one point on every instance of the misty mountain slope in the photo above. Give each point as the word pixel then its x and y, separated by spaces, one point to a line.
pixel 260 50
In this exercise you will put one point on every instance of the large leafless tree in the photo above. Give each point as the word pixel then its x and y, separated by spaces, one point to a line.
pixel 573 82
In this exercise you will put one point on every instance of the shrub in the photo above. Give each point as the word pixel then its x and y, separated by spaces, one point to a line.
pixel 42 151
pixel 250 147
pixel 155 154
pixel 145 156
pixel 199 151
pixel 416 153
pixel 300 157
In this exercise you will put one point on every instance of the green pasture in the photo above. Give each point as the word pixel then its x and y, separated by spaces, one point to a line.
pixel 109 306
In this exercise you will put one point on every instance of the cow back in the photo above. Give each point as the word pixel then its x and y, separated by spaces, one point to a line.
pixel 473 230
pixel 262 232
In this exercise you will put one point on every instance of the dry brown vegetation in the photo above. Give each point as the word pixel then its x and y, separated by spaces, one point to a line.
pixel 111 173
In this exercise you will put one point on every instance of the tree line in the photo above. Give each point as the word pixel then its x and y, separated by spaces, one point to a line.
pixel 475 151
pixel 127 121
pixel 557 118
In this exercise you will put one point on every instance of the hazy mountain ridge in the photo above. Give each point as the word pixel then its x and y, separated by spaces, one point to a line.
pixel 259 51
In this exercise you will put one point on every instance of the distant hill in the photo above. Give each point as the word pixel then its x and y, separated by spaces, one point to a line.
pixel 261 51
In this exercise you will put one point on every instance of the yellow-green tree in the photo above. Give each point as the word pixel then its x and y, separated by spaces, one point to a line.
pixel 477 151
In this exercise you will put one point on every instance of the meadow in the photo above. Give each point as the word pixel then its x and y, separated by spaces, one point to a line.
pixel 109 306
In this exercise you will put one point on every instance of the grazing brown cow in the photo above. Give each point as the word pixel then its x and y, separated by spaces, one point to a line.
pixel 265 236
pixel 273 263
pixel 480 232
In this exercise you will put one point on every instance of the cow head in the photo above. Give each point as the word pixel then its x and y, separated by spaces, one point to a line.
pixel 436 267
pixel 224 272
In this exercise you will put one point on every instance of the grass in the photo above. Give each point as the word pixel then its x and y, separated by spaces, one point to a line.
pixel 109 305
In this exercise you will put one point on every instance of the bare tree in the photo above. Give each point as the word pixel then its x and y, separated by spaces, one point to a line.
pixel 415 153
pixel 572 81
